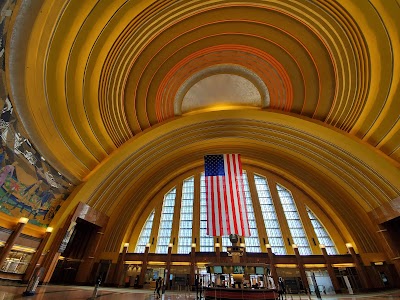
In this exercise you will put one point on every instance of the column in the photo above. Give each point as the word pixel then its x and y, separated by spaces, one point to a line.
pixel 11 240
pixel 388 243
pixel 192 264
pixel 85 268
pixel 51 258
pixel 119 269
pixel 244 255
pixel 360 269
pixel 35 258
pixel 218 251
pixel 144 265
pixel 301 269
pixel 271 257
pixel 331 271
pixel 168 267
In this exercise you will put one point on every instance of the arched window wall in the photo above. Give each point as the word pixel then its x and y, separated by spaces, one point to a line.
pixel 267 216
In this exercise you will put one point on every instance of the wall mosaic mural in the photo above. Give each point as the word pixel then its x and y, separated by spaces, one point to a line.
pixel 29 186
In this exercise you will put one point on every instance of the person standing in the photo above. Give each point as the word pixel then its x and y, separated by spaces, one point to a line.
pixel 281 288
pixel 196 285
pixel 158 286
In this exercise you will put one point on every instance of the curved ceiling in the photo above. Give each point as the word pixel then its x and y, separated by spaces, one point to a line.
pixel 103 78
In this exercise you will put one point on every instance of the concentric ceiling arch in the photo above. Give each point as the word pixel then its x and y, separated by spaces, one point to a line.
pixel 98 86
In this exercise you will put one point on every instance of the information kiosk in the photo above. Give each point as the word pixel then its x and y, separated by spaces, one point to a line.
pixel 238 280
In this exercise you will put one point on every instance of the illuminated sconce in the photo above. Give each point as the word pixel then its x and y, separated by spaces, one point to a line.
pixel 148 245
pixel 322 246
pixel 193 245
pixel 170 245
pixel 49 229
pixel 268 246
pixel 295 246
pixel 242 245
pixel 349 245
pixel 217 245
pixel 126 245
pixel 23 220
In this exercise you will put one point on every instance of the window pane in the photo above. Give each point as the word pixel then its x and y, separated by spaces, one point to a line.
pixel 206 242
pixel 144 236
pixel 269 215
pixel 321 233
pixel 186 217
pixel 167 215
pixel 253 240
pixel 293 219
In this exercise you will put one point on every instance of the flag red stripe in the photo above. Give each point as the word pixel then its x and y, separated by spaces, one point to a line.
pixel 227 227
pixel 227 198
pixel 238 196
pixel 243 203
pixel 232 194
pixel 208 199
pixel 220 204
pixel 217 204
pixel 215 199
pixel 210 209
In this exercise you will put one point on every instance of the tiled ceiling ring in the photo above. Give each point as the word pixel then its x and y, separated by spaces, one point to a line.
pixel 273 75
pixel 222 69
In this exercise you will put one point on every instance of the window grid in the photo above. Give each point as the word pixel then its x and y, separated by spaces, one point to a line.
pixel 225 243
pixel 252 242
pixel 144 237
pixel 167 216
pixel 206 242
pixel 186 219
pixel 293 220
pixel 269 215
pixel 272 225
pixel 322 234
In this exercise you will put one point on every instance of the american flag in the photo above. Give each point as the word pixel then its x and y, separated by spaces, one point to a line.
pixel 225 198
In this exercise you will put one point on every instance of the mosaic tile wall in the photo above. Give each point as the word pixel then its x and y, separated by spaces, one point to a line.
pixel 29 186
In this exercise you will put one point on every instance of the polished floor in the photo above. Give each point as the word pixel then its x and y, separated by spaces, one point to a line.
pixel 52 292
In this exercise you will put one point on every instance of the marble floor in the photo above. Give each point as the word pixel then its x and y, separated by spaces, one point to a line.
pixel 53 292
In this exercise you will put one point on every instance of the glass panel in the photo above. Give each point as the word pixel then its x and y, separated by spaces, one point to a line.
pixel 269 215
pixel 16 262
pixel 144 237
pixel 206 242
pixel 167 215
pixel 293 219
pixel 225 243
pixel 186 219
pixel 321 233
pixel 252 240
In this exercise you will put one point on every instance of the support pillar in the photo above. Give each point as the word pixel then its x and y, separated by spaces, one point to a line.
pixel 360 268
pixel 5 251
pixel 391 248
pixel 192 264
pixel 243 258
pixel 144 265
pixel 331 271
pixel 301 268
pixel 218 252
pixel 168 268
pixel 51 258
pixel 35 258
pixel 119 269
pixel 85 268
pixel 271 257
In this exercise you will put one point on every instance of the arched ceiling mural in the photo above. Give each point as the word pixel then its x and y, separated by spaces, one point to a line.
pixel 121 97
